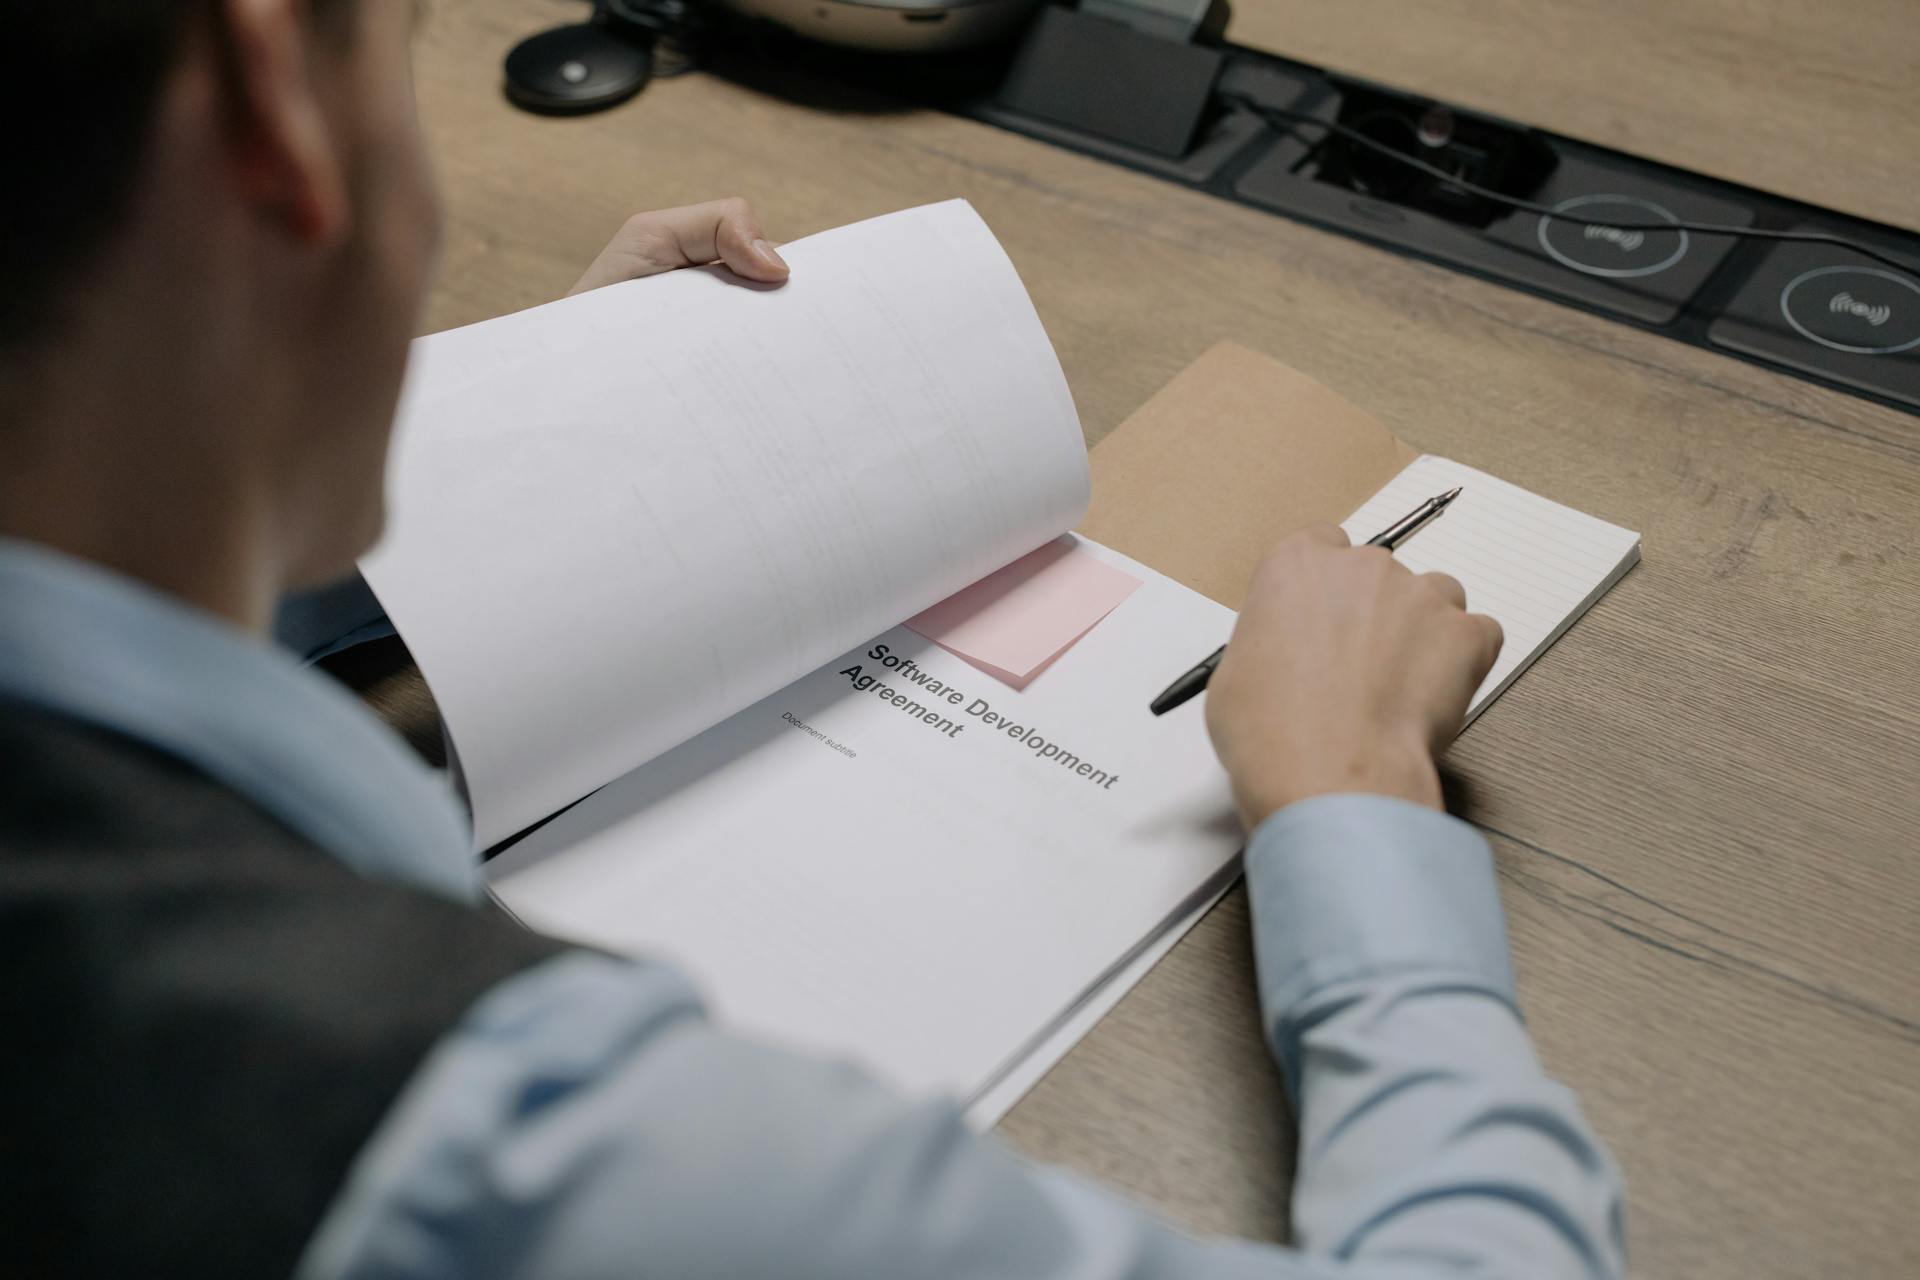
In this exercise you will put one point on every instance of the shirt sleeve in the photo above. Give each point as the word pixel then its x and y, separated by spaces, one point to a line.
pixel 586 1120
pixel 1428 1129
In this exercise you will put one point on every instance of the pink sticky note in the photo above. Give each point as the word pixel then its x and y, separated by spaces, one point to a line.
pixel 1012 623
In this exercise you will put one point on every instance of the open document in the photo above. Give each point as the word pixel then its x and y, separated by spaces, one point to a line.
pixel 899 858
pixel 765 646
pixel 653 548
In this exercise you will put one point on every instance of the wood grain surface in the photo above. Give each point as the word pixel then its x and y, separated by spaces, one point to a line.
pixel 1820 102
pixel 1704 801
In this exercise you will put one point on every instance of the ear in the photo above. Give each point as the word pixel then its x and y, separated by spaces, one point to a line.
pixel 286 156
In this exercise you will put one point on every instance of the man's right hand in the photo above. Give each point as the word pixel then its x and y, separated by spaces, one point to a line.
pixel 1346 672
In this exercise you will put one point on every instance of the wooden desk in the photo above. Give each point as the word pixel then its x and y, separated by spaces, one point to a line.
pixel 1703 801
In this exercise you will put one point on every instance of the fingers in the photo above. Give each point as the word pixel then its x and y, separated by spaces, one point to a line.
pixel 1492 638
pixel 665 240
pixel 1487 636
pixel 1461 661
pixel 722 230
pixel 1448 586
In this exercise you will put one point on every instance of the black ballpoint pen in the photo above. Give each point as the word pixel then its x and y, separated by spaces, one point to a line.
pixel 1190 684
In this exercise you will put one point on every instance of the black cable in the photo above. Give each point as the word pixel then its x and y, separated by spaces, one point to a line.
pixel 1272 115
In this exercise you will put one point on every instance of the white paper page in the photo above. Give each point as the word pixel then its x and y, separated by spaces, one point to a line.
pixel 990 1106
pixel 618 519
pixel 1531 563
pixel 934 904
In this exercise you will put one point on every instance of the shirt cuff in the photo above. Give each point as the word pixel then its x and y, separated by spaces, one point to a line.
pixel 1352 887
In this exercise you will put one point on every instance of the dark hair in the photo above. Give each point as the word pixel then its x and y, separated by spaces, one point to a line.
pixel 79 80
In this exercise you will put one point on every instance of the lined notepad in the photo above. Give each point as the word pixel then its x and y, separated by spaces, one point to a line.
pixel 1533 564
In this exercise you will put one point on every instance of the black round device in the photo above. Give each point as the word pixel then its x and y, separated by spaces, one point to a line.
pixel 579 68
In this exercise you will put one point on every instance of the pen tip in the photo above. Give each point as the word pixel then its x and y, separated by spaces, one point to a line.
pixel 1449 496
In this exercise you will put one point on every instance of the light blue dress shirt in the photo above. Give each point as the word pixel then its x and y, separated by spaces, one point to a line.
pixel 585 1119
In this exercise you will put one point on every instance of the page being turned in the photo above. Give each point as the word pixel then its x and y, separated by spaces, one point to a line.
pixel 619 519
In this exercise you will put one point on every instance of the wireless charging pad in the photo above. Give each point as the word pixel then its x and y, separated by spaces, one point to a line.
pixel 578 68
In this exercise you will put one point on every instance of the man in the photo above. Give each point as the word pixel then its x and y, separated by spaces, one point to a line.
pixel 257 1021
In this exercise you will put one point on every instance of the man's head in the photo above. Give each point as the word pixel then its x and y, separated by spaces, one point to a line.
pixel 221 228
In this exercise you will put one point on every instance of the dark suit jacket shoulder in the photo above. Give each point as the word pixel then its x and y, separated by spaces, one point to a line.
pixel 207 1015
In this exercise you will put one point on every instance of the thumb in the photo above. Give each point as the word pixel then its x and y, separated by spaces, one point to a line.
pixel 746 250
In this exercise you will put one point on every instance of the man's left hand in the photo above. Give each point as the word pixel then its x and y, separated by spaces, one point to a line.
pixel 724 231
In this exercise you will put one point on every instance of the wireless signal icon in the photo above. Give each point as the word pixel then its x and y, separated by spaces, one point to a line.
pixel 1892 323
pixel 1844 303
pixel 1628 241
